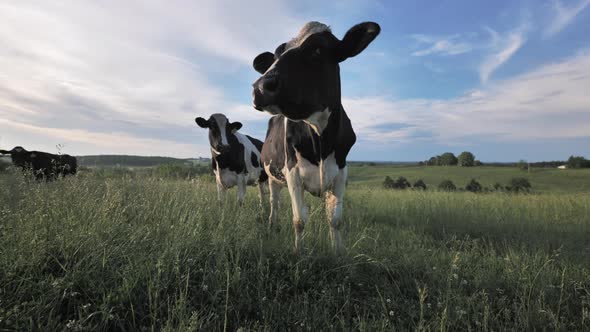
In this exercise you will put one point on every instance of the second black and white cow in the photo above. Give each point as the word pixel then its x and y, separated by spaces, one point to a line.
pixel 235 158
pixel 310 135
pixel 43 165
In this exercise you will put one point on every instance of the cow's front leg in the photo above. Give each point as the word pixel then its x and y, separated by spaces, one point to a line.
pixel 261 192
pixel 334 201
pixel 295 185
pixel 241 188
pixel 275 195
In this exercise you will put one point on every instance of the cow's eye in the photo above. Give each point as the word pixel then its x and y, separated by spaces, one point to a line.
pixel 315 54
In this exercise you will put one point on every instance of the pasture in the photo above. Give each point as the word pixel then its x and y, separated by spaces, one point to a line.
pixel 105 252
pixel 547 180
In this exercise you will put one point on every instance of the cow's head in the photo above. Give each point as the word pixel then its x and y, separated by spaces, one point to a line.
pixel 220 131
pixel 302 77
pixel 18 154
pixel 15 151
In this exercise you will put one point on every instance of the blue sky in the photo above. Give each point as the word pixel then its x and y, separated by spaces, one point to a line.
pixel 506 80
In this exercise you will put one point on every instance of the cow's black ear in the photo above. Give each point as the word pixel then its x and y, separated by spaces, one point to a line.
pixel 263 61
pixel 202 122
pixel 235 126
pixel 357 39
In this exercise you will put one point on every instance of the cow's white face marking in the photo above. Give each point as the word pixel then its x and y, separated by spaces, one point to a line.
pixel 221 122
pixel 307 30
pixel 318 121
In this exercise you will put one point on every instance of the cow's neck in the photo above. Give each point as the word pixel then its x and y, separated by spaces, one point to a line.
pixel 319 120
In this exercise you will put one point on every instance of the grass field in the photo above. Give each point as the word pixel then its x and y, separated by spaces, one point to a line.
pixel 542 179
pixel 124 253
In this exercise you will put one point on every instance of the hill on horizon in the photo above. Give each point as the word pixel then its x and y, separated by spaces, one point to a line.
pixel 134 161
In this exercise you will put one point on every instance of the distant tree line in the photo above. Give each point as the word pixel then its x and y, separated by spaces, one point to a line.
pixel 572 162
pixel 578 162
pixel 465 159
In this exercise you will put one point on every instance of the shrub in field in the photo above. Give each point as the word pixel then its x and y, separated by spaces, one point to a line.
pixel 399 183
pixel 447 185
pixel 419 184
pixel 473 186
pixel 388 183
pixel 477 163
pixel 498 186
pixel 402 183
pixel 519 185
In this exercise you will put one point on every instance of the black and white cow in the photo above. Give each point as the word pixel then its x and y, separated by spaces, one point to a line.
pixel 235 158
pixel 310 135
pixel 45 166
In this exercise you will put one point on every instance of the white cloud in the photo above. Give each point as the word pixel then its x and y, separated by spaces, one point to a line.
pixel 550 102
pixel 563 16
pixel 449 45
pixel 133 66
pixel 503 48
pixel 89 142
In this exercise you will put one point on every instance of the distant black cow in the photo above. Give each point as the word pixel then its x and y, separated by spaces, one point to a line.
pixel 310 135
pixel 235 158
pixel 43 165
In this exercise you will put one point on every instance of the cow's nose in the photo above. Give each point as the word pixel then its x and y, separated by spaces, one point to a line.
pixel 269 85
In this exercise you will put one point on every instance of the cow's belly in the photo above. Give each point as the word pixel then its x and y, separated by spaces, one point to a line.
pixel 310 174
pixel 226 177
pixel 229 178
pixel 253 175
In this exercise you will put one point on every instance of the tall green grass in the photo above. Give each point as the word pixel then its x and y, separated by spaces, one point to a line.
pixel 99 253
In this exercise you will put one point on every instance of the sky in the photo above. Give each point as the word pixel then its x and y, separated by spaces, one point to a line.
pixel 506 80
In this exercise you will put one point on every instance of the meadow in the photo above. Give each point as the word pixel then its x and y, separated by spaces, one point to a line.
pixel 118 251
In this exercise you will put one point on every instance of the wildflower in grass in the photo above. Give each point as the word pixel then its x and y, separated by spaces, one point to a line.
pixel 71 324
pixel 454 267
pixel 434 268
pixel 461 312
pixel 391 313
pixel 264 298
pixel 455 276
pixel 463 282
pixel 205 288
pixel 388 300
